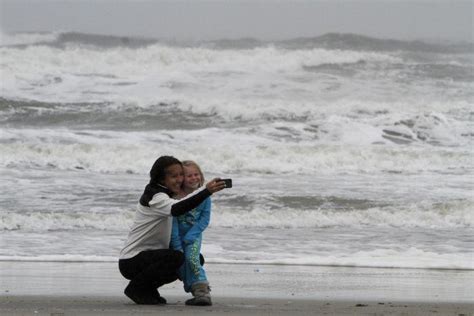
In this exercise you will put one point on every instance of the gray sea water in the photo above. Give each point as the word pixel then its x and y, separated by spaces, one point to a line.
pixel 344 150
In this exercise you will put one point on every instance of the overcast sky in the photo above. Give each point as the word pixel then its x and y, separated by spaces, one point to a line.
pixel 271 19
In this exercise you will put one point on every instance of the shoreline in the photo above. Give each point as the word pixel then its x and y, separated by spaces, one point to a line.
pixel 33 259
pixel 96 288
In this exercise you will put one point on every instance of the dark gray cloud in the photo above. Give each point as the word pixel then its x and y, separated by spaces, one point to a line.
pixel 416 19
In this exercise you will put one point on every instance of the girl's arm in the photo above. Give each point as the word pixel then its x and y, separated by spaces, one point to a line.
pixel 201 224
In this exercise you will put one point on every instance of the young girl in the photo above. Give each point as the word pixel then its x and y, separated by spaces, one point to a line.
pixel 186 237
pixel 146 259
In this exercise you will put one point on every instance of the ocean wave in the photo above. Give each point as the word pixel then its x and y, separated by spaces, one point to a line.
pixel 343 121
pixel 60 258
pixel 114 219
pixel 263 83
pixel 268 151
pixel 24 39
pixel 417 215
pixel 103 41
pixel 345 41
pixel 412 258
pixel 422 215
pixel 154 74
pixel 455 72
pixel 420 71
pixel 161 116
pixel 359 42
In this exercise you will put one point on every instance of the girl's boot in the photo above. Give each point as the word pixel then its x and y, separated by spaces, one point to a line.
pixel 201 293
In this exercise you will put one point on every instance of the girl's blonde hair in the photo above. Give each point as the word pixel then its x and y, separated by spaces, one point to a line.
pixel 190 163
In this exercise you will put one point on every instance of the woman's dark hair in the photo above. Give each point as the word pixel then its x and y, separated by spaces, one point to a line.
pixel 158 171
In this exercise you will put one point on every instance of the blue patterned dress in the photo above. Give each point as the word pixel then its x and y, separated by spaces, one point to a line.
pixel 186 236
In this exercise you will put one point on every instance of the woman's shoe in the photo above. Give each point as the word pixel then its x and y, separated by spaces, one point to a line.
pixel 143 296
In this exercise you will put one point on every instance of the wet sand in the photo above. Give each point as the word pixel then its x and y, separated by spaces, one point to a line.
pixel 87 288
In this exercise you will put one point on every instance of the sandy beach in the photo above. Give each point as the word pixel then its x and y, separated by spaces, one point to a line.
pixel 88 288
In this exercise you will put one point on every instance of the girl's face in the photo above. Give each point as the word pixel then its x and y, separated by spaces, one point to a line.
pixel 192 178
pixel 174 178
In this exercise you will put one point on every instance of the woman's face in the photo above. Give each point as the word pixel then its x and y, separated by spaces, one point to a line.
pixel 192 178
pixel 174 178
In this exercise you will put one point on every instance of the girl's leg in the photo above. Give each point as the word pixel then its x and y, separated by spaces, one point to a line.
pixel 193 271
pixel 196 279
pixel 183 274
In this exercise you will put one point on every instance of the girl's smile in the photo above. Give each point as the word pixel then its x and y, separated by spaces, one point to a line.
pixel 192 178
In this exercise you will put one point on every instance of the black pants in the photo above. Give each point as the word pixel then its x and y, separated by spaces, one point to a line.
pixel 152 268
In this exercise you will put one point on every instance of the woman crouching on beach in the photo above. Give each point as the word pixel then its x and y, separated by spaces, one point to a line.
pixel 146 259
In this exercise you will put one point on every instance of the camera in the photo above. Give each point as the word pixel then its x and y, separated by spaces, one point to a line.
pixel 227 182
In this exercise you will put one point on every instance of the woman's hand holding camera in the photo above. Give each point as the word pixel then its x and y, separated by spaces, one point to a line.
pixel 215 185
